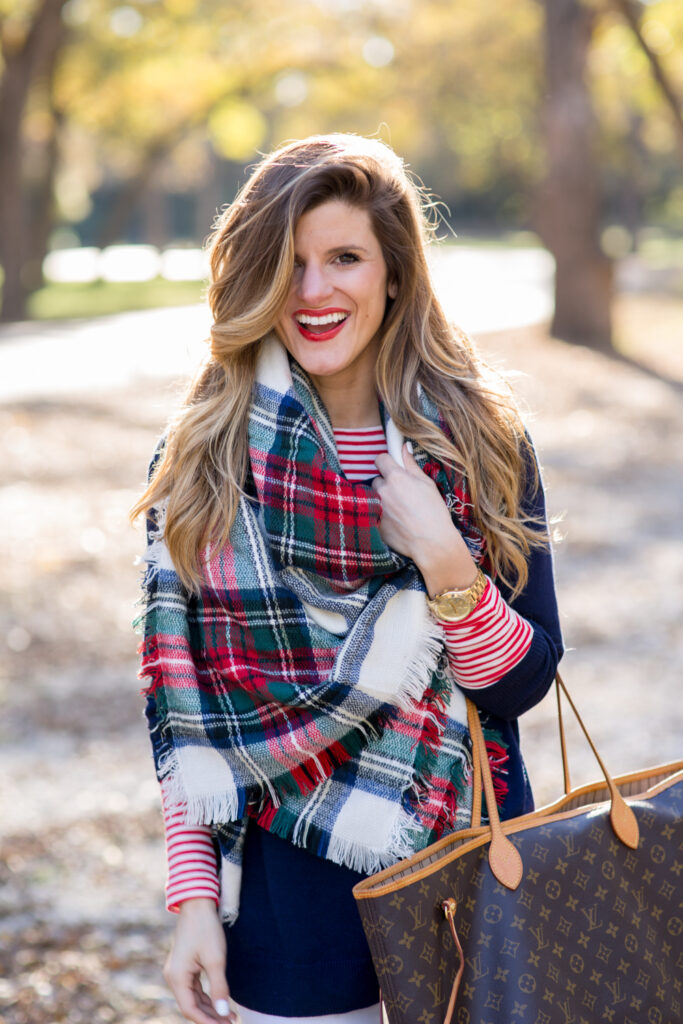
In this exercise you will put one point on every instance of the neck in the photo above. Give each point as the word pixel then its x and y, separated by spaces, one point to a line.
pixel 350 405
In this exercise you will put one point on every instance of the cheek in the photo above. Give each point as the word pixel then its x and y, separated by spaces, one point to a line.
pixel 282 328
pixel 375 296
pixel 284 319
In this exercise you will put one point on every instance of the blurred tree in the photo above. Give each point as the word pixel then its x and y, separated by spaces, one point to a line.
pixel 30 39
pixel 570 200
pixel 150 99
pixel 632 15
pixel 640 166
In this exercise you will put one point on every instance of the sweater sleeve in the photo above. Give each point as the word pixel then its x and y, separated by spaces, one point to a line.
pixel 190 856
pixel 505 653
pixel 490 642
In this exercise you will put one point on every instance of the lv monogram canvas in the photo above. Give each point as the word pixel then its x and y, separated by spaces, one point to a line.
pixel 593 932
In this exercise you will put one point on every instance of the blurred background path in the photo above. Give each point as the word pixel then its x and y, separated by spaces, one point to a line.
pixel 487 289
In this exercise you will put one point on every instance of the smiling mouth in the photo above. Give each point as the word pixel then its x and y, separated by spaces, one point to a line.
pixel 320 326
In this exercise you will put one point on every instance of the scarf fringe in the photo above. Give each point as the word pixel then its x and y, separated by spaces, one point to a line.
pixel 199 810
pixel 420 669
pixel 219 808
pixel 366 860
pixel 350 853
pixel 230 875
pixel 150 672
pixel 229 911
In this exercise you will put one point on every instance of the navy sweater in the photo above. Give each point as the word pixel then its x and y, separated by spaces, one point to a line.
pixel 297 948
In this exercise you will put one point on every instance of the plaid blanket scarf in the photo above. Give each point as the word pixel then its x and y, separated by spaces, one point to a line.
pixel 307 685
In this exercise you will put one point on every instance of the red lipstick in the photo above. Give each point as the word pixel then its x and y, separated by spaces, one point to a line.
pixel 316 314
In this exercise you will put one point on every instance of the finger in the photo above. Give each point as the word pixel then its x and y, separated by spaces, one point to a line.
pixel 215 1010
pixel 203 999
pixel 409 460
pixel 222 1008
pixel 192 1001
pixel 386 463
pixel 218 989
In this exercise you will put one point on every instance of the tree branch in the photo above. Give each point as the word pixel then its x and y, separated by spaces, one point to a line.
pixel 628 10
pixel 157 149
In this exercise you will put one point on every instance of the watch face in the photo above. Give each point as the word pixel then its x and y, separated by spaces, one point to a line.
pixel 455 605
pixel 454 608
pixel 461 605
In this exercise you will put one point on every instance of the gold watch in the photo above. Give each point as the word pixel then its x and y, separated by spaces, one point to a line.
pixel 454 605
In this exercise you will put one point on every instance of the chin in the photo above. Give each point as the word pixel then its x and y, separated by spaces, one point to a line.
pixel 321 367
pixel 315 357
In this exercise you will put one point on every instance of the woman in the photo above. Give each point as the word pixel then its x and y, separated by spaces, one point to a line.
pixel 346 533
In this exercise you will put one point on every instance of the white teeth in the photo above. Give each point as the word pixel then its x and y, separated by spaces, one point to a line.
pixel 319 321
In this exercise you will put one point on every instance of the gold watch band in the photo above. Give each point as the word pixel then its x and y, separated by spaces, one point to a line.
pixel 454 605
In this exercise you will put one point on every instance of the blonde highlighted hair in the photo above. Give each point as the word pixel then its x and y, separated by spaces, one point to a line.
pixel 203 465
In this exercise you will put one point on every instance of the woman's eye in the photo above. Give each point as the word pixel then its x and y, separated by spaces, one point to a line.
pixel 348 257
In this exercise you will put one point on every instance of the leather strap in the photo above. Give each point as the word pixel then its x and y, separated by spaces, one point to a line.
pixel 621 816
pixel 472 721
pixel 449 907
pixel 563 740
pixel 504 857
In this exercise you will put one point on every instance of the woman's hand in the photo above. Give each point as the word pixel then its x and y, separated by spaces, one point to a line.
pixel 199 947
pixel 416 523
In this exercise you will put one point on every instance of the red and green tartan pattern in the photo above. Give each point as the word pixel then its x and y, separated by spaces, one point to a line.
pixel 245 685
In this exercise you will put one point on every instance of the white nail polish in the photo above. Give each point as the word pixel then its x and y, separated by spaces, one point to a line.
pixel 222 1007
pixel 409 446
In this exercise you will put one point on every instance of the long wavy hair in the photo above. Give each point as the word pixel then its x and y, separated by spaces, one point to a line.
pixel 202 467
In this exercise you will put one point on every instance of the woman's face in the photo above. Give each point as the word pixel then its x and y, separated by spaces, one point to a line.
pixel 331 319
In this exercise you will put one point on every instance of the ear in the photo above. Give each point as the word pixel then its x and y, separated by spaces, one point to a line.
pixel 392 289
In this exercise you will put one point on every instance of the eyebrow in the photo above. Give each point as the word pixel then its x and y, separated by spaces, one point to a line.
pixel 337 249
pixel 345 248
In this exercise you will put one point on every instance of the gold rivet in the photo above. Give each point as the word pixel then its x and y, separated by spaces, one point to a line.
pixel 449 907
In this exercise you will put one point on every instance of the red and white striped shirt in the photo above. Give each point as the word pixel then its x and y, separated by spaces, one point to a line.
pixel 357 450
pixel 482 648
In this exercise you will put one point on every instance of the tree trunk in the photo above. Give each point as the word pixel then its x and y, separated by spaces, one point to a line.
pixel 42 210
pixel 154 214
pixel 210 199
pixel 570 198
pixel 133 191
pixel 42 214
pixel 633 188
pixel 12 218
pixel 22 67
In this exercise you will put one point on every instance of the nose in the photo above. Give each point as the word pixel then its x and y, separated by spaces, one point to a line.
pixel 314 286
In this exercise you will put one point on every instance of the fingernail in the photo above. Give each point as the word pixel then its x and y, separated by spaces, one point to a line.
pixel 222 1007
pixel 409 446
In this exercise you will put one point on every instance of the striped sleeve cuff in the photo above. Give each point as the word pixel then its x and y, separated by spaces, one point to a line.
pixel 489 643
pixel 191 859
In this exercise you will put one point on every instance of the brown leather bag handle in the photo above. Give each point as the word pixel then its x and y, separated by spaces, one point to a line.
pixel 504 858
pixel 622 818
pixel 472 722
